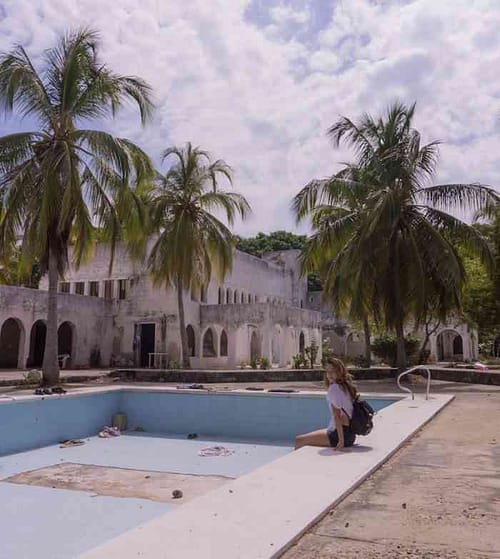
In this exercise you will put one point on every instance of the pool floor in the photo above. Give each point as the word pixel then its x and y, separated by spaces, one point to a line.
pixel 43 520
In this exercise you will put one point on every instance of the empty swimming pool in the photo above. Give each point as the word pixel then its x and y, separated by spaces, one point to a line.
pixel 112 485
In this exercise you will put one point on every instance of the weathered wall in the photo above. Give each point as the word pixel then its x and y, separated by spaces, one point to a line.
pixel 260 330
pixel 259 279
pixel 91 319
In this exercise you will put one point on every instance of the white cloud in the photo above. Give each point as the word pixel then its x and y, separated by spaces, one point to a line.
pixel 283 14
pixel 262 98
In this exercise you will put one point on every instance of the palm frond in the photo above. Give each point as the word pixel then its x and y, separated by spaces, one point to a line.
pixel 458 196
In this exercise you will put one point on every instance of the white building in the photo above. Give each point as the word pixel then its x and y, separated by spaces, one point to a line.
pixel 262 310
pixel 259 311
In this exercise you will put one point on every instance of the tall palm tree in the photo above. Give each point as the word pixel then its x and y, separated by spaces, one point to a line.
pixel 335 207
pixel 60 181
pixel 192 242
pixel 404 230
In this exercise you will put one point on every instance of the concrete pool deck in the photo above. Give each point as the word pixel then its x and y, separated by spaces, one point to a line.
pixel 436 498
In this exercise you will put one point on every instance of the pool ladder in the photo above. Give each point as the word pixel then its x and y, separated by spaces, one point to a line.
pixel 411 370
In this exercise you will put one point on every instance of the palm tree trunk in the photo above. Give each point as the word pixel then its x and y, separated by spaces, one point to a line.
pixel 182 324
pixel 50 363
pixel 400 335
pixel 368 350
pixel 400 345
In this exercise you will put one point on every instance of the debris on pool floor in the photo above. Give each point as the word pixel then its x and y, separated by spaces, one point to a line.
pixel 120 482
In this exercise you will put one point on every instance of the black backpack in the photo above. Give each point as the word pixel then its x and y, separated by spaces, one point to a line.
pixel 362 417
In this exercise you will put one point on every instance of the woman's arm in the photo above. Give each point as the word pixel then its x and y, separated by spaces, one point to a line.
pixel 337 416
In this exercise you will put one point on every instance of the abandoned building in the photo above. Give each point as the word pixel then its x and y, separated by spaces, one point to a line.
pixel 262 310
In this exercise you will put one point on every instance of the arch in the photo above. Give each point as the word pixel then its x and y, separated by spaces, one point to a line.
pixel 209 343
pixel 191 340
pixel 65 335
pixel 249 298
pixel 37 343
pixel 222 299
pixel 302 343
pixel 242 298
pixel 276 346
pixel 229 296
pixel 255 346
pixel 223 344
pixel 496 347
pixel 449 345
pixel 458 346
pixel 235 297
pixel 11 344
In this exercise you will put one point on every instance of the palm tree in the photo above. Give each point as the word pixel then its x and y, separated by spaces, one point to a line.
pixel 60 181
pixel 192 242
pixel 335 207
pixel 403 242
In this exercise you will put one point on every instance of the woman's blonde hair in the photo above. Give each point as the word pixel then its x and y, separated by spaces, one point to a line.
pixel 343 377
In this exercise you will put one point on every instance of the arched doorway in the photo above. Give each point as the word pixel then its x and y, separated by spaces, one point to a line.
pixel 496 347
pixel 65 342
pixel 450 346
pixel 223 344
pixel 191 340
pixel 11 343
pixel 275 346
pixel 37 344
pixel 302 343
pixel 458 346
pixel 209 344
pixel 255 347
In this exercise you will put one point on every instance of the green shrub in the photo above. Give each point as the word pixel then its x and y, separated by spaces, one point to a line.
pixel 264 363
pixel 32 377
pixel 299 361
pixel 385 347
pixel 360 361
pixel 311 353
pixel 254 362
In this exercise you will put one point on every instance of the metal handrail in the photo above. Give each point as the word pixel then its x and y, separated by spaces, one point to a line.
pixel 416 368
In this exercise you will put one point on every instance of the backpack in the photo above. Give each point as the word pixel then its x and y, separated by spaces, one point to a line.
pixel 362 413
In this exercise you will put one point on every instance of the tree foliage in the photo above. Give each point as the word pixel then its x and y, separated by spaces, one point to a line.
pixel 482 290
pixel 382 235
pixel 64 178
pixel 269 242
pixel 193 244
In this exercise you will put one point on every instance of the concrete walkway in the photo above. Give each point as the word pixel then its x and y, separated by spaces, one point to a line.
pixel 8 377
pixel 438 497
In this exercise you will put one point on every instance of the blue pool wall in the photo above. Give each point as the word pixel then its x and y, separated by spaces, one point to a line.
pixel 229 415
pixel 35 423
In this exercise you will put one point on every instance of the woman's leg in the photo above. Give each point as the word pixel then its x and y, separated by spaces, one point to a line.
pixel 314 438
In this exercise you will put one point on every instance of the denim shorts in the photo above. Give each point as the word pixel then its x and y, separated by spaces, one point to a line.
pixel 349 437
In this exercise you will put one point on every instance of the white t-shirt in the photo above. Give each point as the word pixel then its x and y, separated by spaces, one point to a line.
pixel 338 398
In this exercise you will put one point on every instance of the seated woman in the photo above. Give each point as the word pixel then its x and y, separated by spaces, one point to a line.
pixel 340 396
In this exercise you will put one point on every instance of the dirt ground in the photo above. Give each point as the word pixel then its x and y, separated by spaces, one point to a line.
pixel 120 482
pixel 438 497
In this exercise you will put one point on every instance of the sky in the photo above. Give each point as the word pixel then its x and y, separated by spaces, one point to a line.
pixel 258 82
